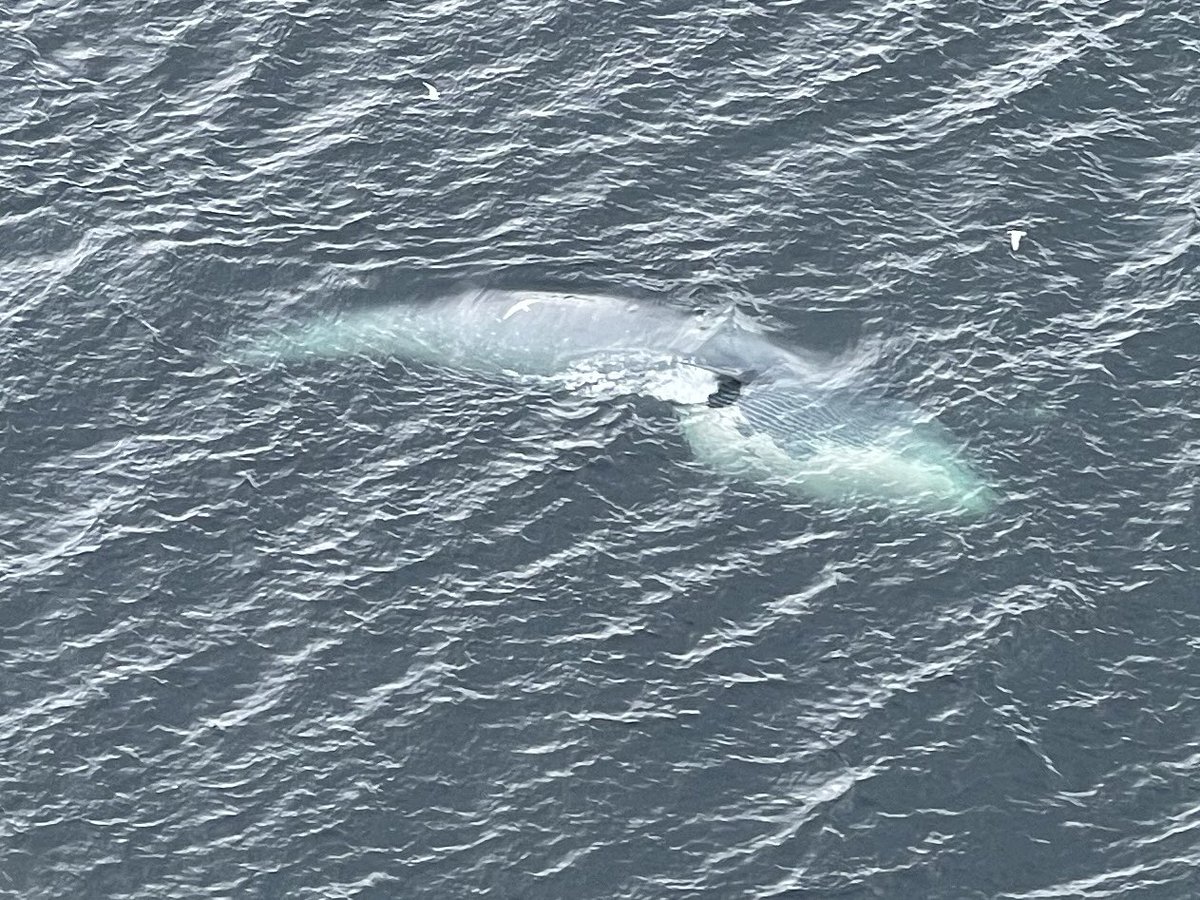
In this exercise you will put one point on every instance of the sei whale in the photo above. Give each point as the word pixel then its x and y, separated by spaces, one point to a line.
pixel 748 406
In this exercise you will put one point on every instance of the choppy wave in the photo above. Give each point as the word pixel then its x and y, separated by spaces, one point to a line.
pixel 368 629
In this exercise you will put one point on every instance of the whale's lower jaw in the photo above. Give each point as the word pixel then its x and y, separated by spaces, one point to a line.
pixel 911 474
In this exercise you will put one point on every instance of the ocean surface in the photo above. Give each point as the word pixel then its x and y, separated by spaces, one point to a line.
pixel 361 628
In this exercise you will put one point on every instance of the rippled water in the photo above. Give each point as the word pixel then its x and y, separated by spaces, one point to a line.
pixel 358 628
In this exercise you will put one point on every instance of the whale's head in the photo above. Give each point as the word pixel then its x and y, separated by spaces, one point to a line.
pixel 831 445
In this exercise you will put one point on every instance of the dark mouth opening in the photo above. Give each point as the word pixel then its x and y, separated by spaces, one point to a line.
pixel 727 392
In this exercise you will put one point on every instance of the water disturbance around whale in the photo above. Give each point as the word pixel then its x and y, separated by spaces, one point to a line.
pixel 748 406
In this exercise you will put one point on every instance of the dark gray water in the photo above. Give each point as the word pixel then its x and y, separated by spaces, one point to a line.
pixel 365 629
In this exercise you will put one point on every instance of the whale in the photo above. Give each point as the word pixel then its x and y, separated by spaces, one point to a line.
pixel 749 407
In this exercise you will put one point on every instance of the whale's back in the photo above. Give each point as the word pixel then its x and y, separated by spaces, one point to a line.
pixel 523 332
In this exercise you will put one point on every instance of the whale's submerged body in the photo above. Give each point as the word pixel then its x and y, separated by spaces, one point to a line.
pixel 749 407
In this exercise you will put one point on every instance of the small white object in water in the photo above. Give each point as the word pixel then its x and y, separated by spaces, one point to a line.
pixel 433 92
pixel 1014 238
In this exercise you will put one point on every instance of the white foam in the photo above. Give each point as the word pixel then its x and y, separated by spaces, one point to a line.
pixel 681 383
